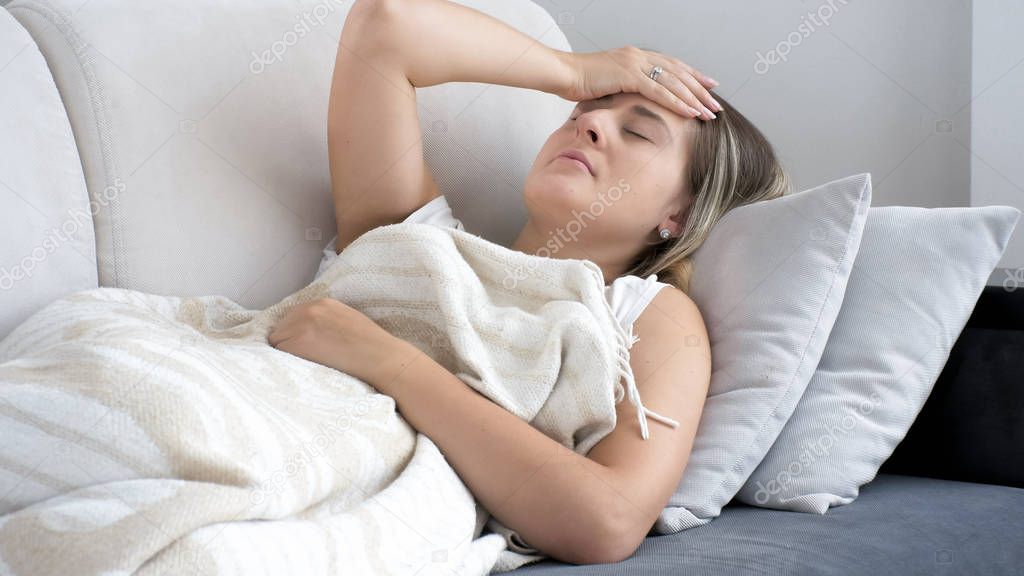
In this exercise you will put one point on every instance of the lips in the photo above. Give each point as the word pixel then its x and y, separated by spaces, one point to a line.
pixel 578 155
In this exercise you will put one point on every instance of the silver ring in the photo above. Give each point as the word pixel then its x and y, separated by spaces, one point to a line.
pixel 655 72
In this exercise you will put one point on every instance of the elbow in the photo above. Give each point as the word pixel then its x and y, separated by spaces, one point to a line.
pixel 611 540
pixel 369 21
pixel 375 7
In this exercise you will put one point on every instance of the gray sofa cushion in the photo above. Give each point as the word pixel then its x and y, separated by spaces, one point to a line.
pixel 898 525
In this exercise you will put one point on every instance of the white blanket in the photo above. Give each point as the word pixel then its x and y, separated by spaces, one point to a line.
pixel 159 435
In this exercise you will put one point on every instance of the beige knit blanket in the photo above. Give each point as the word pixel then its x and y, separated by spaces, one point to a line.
pixel 145 434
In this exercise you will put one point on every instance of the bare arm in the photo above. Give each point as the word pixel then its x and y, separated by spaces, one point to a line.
pixel 579 509
pixel 530 483
pixel 387 49
pixel 441 41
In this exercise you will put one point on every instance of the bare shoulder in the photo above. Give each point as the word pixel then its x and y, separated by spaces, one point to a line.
pixel 674 318
pixel 672 300
pixel 671 359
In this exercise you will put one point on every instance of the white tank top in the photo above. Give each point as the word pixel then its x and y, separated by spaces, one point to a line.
pixel 627 295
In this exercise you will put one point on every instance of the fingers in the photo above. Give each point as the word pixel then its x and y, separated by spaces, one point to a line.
pixel 683 84
pixel 708 103
pixel 282 329
pixel 670 91
pixel 276 335
pixel 655 91
pixel 704 79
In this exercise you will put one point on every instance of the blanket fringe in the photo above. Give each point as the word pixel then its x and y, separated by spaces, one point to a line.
pixel 624 342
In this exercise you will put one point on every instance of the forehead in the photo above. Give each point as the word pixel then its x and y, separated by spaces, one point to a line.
pixel 626 99
pixel 640 106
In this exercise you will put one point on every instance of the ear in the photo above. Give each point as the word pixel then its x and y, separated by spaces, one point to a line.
pixel 676 222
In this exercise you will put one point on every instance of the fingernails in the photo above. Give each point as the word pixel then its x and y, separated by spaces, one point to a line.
pixel 711 80
pixel 710 113
pixel 694 111
pixel 718 107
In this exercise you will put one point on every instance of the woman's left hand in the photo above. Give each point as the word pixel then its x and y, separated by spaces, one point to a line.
pixel 330 332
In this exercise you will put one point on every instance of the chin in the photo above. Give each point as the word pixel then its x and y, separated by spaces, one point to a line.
pixel 556 193
pixel 551 209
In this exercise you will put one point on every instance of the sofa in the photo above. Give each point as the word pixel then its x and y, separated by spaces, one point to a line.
pixel 180 149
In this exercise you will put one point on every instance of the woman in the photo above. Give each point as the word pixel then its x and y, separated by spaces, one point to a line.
pixel 680 159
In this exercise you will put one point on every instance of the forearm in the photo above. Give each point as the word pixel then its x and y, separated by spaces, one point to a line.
pixel 556 499
pixel 438 41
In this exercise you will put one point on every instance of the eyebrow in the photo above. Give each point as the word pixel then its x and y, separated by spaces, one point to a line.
pixel 637 109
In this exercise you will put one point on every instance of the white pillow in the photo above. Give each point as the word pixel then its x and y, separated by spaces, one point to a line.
pixel 769 281
pixel 916 280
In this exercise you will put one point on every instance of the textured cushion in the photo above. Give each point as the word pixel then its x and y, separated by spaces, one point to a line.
pixel 214 116
pixel 900 525
pixel 769 281
pixel 47 248
pixel 917 277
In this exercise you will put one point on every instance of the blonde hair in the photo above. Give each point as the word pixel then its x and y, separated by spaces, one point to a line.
pixel 732 164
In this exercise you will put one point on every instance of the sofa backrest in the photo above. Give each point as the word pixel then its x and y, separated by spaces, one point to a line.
pixel 47 249
pixel 972 426
pixel 206 124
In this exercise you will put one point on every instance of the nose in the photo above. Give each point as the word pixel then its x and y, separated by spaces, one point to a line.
pixel 589 123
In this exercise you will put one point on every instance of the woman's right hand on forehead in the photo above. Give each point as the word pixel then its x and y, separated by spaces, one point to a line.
pixel 679 87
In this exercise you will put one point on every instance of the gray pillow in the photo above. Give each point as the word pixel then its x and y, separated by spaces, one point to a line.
pixel 769 281
pixel 916 280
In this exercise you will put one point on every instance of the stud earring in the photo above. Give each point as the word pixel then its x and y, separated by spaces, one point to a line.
pixel 665 233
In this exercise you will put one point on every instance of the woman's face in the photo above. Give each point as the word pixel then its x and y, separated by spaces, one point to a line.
pixel 638 163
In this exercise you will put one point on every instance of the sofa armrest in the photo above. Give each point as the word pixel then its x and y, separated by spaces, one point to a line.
pixel 972 426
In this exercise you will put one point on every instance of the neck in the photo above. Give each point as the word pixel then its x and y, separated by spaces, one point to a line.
pixel 559 244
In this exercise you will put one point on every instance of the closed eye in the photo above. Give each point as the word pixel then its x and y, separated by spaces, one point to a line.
pixel 638 135
pixel 627 131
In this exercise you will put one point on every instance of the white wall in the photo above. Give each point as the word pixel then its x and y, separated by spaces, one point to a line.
pixel 866 89
pixel 867 86
pixel 924 94
pixel 997 132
